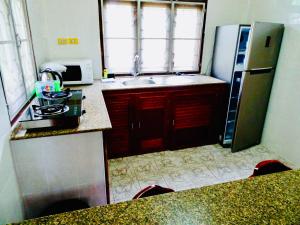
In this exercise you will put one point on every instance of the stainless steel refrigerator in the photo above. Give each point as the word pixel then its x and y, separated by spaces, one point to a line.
pixel 246 56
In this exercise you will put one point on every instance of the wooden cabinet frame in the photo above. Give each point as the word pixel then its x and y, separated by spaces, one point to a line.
pixel 151 116
pixel 156 119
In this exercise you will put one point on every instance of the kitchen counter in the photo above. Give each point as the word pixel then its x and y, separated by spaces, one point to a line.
pixel 271 199
pixel 95 119
pixel 160 81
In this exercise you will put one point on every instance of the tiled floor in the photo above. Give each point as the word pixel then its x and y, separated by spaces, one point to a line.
pixel 182 169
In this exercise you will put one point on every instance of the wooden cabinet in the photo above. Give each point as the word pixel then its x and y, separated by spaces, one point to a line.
pixel 150 120
pixel 194 114
pixel 118 139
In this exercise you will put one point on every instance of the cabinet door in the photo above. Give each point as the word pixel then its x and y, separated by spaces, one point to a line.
pixel 118 138
pixel 193 121
pixel 151 122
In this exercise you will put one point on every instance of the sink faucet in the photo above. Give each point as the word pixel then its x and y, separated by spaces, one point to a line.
pixel 136 66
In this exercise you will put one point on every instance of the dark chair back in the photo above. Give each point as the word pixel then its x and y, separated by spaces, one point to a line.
pixel 268 167
pixel 151 191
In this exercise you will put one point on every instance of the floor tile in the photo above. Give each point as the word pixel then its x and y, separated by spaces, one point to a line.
pixel 224 171
pixel 169 162
pixel 178 182
pixel 125 188
pixel 182 169
pixel 201 176
pixel 151 179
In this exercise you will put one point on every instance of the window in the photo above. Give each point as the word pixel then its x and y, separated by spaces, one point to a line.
pixel 167 35
pixel 154 37
pixel 120 37
pixel 17 68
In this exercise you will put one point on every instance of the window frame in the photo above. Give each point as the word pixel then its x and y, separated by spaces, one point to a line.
pixel 102 28
pixel 17 41
pixel 172 12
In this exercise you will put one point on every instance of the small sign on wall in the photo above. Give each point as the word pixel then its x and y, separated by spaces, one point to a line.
pixel 67 41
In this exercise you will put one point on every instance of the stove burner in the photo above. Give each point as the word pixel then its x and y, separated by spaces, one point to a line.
pixel 50 110
pixel 57 95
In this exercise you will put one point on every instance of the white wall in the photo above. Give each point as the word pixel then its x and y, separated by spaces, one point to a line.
pixel 282 123
pixel 79 18
pixel 11 209
pixel 282 127
pixel 221 12
pixel 38 29
pixel 67 18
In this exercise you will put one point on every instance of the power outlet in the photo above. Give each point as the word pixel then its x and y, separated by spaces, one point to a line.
pixel 62 41
pixel 73 41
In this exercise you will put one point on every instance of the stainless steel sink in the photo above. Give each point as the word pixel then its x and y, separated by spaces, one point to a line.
pixel 138 81
pixel 179 80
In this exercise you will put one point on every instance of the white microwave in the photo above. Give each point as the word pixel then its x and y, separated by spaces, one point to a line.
pixel 79 71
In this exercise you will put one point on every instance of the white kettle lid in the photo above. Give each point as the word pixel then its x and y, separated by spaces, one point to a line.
pixel 53 66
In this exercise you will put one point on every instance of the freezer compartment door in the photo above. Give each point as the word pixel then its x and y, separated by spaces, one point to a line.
pixel 225 51
pixel 264 45
pixel 253 105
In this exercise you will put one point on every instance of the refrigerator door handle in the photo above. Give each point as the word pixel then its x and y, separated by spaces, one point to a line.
pixel 260 70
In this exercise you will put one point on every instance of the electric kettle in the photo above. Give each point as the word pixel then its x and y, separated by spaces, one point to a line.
pixel 51 72
pixel 49 75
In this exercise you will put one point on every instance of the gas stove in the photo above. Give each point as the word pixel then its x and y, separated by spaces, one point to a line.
pixel 54 110
pixel 61 95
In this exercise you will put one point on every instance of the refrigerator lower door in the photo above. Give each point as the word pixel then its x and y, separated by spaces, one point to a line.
pixel 253 105
pixel 264 45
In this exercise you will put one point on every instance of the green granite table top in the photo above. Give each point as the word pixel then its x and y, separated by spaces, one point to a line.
pixel 271 199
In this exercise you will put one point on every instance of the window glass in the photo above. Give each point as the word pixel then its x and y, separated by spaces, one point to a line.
pixel 154 55
pixel 119 55
pixel 6 33
pixel 12 77
pixel 166 35
pixel 154 37
pixel 119 20
pixel 187 39
pixel 120 43
pixel 155 20
pixel 27 66
pixel 188 21
pixel 17 68
pixel 186 55
pixel 19 18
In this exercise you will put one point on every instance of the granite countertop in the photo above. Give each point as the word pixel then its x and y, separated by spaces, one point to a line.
pixel 160 81
pixel 95 119
pixel 271 199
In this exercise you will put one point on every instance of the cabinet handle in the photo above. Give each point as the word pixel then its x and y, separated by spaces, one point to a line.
pixel 132 126
pixel 139 125
pixel 173 123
